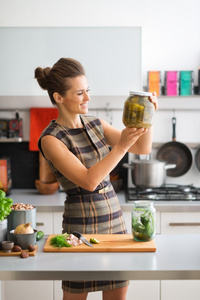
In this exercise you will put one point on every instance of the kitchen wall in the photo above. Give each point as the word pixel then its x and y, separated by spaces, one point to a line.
pixel 170 41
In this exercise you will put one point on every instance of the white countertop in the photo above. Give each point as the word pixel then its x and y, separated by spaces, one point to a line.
pixel 55 202
pixel 177 257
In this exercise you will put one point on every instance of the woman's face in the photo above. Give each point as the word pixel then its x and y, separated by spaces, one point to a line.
pixel 77 97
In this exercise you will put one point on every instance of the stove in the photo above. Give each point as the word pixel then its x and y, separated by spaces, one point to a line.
pixel 167 192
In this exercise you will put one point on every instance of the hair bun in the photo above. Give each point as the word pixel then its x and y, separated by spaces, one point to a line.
pixel 42 76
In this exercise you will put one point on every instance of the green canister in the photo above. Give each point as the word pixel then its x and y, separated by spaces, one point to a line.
pixel 143 221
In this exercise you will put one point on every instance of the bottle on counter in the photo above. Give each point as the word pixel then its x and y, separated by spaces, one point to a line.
pixel 143 221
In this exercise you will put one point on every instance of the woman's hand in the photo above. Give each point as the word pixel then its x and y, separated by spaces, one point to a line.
pixel 154 100
pixel 129 136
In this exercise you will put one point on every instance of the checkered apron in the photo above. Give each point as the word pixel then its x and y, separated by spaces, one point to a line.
pixel 84 211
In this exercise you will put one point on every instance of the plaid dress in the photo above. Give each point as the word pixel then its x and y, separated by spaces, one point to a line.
pixel 84 211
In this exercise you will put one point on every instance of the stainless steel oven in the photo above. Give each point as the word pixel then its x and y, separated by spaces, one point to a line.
pixel 167 192
pixel 175 189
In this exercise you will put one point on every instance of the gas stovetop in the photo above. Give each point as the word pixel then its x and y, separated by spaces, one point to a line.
pixel 168 192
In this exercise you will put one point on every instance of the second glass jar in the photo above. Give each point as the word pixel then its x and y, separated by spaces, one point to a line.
pixel 143 221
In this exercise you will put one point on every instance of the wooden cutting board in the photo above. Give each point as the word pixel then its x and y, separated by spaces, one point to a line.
pixel 107 243
pixel 18 253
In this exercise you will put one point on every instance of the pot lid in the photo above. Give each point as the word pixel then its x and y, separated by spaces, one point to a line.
pixel 149 162
pixel 138 93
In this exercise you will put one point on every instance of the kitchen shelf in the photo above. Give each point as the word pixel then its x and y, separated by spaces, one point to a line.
pixel 11 140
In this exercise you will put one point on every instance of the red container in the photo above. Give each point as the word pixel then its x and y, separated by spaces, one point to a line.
pixel 5 175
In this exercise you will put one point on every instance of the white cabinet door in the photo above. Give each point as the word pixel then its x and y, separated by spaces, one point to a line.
pixel 30 290
pixel 57 223
pixel 178 222
pixel 180 290
pixel 144 290
pixel 44 222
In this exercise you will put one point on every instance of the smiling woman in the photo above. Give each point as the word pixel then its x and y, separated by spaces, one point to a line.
pixel 76 146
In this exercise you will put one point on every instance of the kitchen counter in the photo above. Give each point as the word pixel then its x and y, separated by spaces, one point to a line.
pixel 55 202
pixel 177 257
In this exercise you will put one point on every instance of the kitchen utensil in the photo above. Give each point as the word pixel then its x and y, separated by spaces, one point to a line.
pixel 82 238
pixel 23 240
pixel 197 158
pixel 175 153
pixel 107 243
pixel 148 173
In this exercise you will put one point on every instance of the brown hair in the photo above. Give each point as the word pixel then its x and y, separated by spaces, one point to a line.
pixel 55 79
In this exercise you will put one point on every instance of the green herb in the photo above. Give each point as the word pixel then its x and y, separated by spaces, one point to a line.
pixel 143 226
pixel 60 241
pixel 5 205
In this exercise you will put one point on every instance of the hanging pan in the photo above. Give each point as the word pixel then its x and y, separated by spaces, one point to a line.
pixel 175 153
pixel 197 158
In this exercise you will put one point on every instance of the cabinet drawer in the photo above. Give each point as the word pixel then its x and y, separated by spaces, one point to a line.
pixel 175 223
pixel 28 290
pixel 44 222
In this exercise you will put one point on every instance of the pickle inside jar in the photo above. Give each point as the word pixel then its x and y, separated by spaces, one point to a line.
pixel 137 112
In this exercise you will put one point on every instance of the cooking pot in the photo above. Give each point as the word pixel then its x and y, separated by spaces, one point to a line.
pixel 148 173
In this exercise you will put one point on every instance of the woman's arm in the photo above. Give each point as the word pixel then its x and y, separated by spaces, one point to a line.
pixel 72 168
pixel 141 146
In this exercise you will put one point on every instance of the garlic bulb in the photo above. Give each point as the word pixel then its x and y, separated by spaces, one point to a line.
pixel 24 229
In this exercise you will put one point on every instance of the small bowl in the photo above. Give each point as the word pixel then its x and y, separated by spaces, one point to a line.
pixel 46 188
pixel 7 246
pixel 23 240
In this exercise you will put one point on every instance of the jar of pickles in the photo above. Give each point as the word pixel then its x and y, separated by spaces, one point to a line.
pixel 138 110
pixel 143 221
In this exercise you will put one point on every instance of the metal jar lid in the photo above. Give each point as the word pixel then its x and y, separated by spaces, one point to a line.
pixel 138 93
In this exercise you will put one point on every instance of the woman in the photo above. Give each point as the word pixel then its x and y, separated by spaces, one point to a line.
pixel 76 147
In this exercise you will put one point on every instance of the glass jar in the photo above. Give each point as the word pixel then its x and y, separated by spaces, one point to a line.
pixel 138 110
pixel 143 221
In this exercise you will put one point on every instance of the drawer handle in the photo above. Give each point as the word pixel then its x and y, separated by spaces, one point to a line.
pixel 40 224
pixel 184 224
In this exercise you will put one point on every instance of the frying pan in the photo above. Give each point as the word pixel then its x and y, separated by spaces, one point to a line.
pixel 197 158
pixel 175 153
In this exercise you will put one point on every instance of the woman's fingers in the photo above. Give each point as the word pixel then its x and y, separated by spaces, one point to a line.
pixel 154 100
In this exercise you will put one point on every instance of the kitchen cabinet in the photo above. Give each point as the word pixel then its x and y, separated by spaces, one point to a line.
pixel 180 289
pixel 57 222
pixel 44 222
pixel 180 223
pixel 30 290
pixel 49 223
